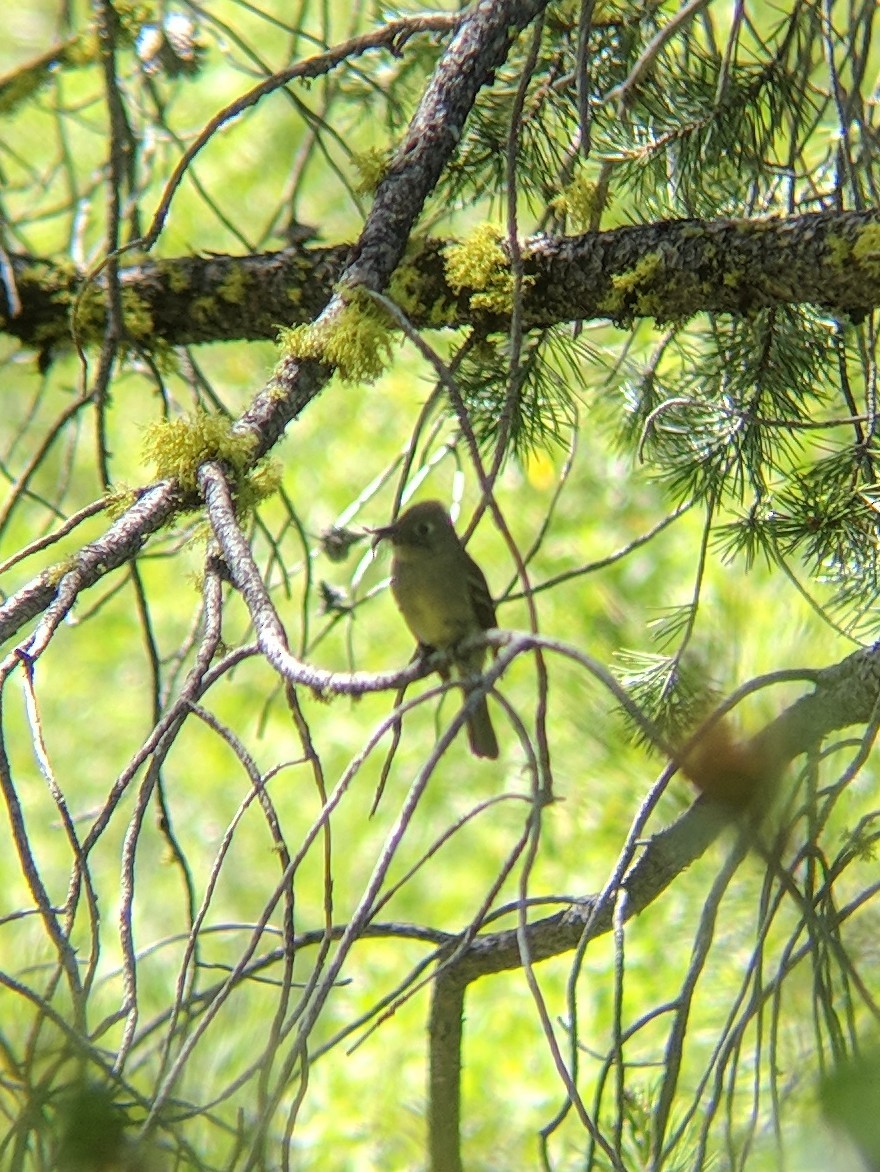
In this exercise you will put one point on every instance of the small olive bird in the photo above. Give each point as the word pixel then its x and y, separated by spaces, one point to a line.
pixel 443 597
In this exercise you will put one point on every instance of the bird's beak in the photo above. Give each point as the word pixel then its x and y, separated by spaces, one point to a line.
pixel 380 534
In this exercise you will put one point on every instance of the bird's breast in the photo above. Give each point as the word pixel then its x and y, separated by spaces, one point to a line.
pixel 438 614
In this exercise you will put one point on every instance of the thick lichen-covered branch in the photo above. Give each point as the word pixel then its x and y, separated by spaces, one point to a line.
pixel 667 271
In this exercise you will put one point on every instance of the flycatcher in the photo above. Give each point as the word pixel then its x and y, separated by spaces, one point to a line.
pixel 443 597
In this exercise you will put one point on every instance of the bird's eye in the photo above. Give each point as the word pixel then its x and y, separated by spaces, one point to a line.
pixel 423 528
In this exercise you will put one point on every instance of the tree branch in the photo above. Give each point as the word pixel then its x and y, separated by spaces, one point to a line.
pixel 666 271
pixel 480 44
pixel 846 693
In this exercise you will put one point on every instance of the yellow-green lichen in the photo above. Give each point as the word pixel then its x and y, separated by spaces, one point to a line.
pixel 48 335
pixel 84 49
pixel 119 501
pixel 175 274
pixel 258 484
pixel 866 249
pixel 21 83
pixel 136 316
pixel 371 166
pixel 17 87
pixel 635 291
pixel 132 16
pixel 52 278
pixel 479 266
pixel 203 310
pixel 235 286
pixel 414 287
pixel 579 201
pixel 53 574
pixel 90 314
pixel 355 338
pixel 178 447
pixel 566 13
pixel 405 289
pixel 839 248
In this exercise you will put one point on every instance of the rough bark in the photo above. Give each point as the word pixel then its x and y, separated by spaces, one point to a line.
pixel 666 271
